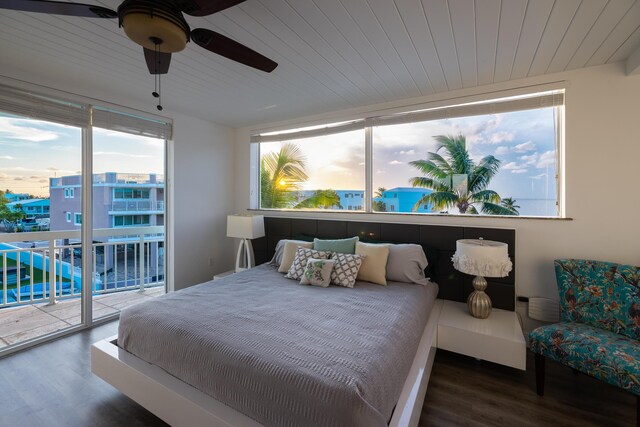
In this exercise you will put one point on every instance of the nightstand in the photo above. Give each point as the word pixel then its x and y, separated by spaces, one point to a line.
pixel 225 274
pixel 498 339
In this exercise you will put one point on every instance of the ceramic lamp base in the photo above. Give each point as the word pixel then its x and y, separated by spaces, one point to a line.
pixel 478 302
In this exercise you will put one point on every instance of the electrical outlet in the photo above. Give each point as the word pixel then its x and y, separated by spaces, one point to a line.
pixel 211 262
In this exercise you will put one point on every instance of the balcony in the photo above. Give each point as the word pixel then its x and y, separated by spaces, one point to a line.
pixel 41 277
pixel 136 206
pixel 128 178
pixel 35 320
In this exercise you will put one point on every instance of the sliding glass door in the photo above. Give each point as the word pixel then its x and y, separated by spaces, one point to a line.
pixel 40 214
pixel 82 214
pixel 128 219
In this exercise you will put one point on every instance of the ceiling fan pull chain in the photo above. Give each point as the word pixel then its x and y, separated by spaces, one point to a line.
pixel 159 93
pixel 155 74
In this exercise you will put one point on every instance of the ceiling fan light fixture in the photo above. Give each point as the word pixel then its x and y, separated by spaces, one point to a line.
pixel 147 22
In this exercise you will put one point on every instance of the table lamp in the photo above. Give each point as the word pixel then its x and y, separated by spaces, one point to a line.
pixel 482 258
pixel 245 227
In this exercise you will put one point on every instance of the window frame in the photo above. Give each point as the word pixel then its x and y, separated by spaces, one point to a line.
pixel 550 95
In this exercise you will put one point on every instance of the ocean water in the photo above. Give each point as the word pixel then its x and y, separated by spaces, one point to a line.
pixel 537 207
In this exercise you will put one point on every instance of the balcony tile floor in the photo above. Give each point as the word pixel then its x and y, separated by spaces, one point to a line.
pixel 31 321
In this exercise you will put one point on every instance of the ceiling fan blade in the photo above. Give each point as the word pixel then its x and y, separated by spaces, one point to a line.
pixel 204 7
pixel 157 62
pixel 59 8
pixel 217 43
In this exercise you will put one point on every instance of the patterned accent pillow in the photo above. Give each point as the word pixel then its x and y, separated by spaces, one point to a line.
pixel 318 272
pixel 300 261
pixel 346 269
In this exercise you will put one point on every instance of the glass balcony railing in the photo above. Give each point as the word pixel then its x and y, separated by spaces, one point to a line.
pixel 136 206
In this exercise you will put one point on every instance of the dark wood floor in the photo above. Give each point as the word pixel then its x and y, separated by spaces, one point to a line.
pixel 52 385
pixel 467 392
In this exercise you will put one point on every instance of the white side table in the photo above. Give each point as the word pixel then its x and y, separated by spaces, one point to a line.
pixel 225 274
pixel 498 339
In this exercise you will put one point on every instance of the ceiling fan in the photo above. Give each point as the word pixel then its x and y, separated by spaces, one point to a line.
pixel 159 27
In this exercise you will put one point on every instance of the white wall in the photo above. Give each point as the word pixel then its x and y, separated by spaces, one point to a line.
pixel 203 170
pixel 602 195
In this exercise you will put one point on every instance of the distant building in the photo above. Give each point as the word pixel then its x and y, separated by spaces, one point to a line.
pixel 15 197
pixel 398 199
pixel 119 200
pixel 31 207
pixel 403 199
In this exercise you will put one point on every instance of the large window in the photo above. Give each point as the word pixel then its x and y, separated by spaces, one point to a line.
pixel 499 157
pixel 316 172
pixel 130 220
pixel 130 193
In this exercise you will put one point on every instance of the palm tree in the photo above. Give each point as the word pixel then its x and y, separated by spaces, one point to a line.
pixel 379 205
pixel 281 174
pixel 320 199
pixel 510 203
pixel 456 180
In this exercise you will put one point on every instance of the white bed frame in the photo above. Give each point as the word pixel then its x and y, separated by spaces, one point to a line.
pixel 180 404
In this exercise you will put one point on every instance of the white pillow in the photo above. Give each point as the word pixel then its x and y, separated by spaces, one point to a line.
pixel 374 265
pixel 318 272
pixel 289 253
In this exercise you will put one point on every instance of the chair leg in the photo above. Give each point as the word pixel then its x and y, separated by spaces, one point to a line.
pixel 540 364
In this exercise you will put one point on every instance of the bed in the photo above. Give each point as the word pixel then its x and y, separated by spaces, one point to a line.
pixel 330 356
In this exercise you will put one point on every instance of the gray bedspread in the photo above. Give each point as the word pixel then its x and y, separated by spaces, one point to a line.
pixel 282 353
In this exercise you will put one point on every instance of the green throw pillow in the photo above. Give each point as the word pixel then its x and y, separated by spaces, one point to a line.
pixel 343 246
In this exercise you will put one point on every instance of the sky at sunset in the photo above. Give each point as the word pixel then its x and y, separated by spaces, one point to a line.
pixel 32 151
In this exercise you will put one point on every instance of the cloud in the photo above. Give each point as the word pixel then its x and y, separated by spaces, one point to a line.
pixel 10 126
pixel 52 169
pixel 548 158
pixel 115 153
pixel 18 179
pixel 525 146
pixel 512 166
pixel 501 136
pixel 502 150
pixel 540 176
pixel 395 162
pixel 520 171
pixel 7 157
pixel 531 159
pixel 408 152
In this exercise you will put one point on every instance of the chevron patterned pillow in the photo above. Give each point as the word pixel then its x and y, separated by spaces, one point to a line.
pixel 346 269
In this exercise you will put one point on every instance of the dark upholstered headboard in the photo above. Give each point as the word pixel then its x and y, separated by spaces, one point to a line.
pixel 439 243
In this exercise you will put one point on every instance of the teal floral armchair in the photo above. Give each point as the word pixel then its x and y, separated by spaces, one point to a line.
pixel 599 332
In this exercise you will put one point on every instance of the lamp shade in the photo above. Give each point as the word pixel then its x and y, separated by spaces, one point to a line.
pixel 482 258
pixel 245 226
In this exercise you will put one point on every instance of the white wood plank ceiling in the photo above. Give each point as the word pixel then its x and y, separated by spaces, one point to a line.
pixel 333 54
